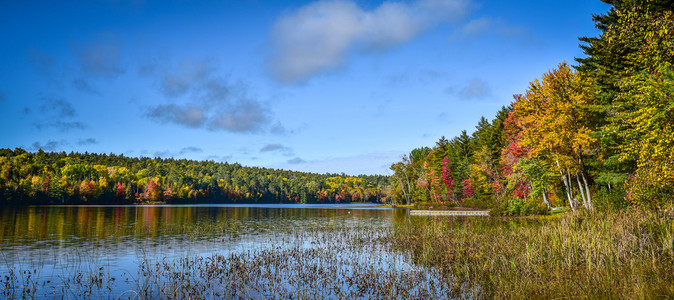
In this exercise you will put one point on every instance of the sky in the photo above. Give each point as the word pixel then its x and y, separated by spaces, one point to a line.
pixel 333 86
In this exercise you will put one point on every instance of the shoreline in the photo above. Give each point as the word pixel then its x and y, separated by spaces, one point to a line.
pixel 449 213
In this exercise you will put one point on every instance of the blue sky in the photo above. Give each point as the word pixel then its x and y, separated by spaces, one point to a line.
pixel 319 86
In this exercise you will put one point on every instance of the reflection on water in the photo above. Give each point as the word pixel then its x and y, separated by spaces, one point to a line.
pixel 27 230
pixel 57 240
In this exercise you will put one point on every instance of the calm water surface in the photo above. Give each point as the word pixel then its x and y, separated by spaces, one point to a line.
pixel 54 242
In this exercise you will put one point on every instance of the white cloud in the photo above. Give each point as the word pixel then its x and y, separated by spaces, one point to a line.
pixel 319 36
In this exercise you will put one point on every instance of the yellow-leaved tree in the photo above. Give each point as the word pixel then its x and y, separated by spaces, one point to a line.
pixel 554 120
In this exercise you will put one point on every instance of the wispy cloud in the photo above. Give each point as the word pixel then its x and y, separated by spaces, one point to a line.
pixel 100 57
pixel 188 74
pixel 57 107
pixel 272 147
pixel 88 141
pixel 84 86
pixel 42 62
pixel 186 115
pixel 287 151
pixel 60 125
pixel 56 113
pixel 211 101
pixel 190 149
pixel 486 25
pixel 163 154
pixel 278 129
pixel 319 36
pixel 296 161
pixel 475 89
pixel 50 145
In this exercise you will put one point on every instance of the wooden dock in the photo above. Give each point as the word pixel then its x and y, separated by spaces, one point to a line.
pixel 449 212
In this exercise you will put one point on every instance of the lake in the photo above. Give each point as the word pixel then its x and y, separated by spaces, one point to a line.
pixel 208 251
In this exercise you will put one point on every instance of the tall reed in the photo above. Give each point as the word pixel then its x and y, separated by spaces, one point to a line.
pixel 626 254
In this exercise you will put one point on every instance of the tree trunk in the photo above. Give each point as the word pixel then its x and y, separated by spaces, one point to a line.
pixel 402 187
pixel 569 196
pixel 582 192
pixel 407 189
pixel 587 185
pixel 545 198
pixel 569 193
pixel 568 179
pixel 590 205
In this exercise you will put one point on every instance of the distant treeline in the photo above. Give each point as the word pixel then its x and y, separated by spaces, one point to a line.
pixel 89 178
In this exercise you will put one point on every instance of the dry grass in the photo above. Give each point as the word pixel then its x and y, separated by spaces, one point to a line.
pixel 579 255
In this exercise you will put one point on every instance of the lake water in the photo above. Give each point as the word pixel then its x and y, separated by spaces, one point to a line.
pixel 151 251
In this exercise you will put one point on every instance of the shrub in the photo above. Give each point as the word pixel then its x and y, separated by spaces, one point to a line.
pixel 613 199
pixel 519 207
pixel 476 202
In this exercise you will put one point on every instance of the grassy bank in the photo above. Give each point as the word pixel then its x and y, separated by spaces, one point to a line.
pixel 625 254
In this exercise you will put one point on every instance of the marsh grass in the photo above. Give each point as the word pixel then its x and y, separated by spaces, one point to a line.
pixel 326 262
pixel 626 254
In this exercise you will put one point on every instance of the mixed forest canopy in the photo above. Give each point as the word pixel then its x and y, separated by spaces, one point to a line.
pixel 75 178
pixel 596 134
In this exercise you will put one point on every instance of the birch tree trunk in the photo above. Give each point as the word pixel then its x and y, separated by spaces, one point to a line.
pixel 590 205
pixel 582 192
pixel 569 196
pixel 568 179
pixel 545 198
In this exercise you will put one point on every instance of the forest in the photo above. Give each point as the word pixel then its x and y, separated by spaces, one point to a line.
pixel 597 134
pixel 75 178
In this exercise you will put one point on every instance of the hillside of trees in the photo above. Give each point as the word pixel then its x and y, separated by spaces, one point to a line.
pixel 75 178
pixel 598 134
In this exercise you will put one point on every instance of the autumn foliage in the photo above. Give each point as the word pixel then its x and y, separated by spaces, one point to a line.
pixel 597 134
pixel 60 178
